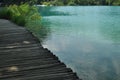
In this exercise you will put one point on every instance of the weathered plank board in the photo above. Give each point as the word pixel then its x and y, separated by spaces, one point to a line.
pixel 23 58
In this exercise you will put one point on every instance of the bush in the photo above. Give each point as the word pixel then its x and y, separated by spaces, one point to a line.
pixel 19 20
pixel 20 14
pixel 46 3
pixel 71 3
pixel 5 14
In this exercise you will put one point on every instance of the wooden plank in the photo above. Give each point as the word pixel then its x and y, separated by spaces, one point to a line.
pixel 22 57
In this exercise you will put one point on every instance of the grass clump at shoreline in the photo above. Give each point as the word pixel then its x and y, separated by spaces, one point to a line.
pixel 25 15
pixel 20 14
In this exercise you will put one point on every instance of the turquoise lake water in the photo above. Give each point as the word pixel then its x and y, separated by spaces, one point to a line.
pixel 86 38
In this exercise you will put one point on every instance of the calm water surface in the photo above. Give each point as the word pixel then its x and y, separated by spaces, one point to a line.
pixel 87 39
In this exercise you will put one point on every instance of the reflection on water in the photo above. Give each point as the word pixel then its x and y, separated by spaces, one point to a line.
pixel 87 40
pixel 47 12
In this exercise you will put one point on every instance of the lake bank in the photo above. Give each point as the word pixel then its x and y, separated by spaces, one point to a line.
pixel 23 57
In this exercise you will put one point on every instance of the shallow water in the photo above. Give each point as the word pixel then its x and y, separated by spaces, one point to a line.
pixel 86 38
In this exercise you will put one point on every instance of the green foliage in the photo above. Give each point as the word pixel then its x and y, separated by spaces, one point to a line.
pixel 38 29
pixel 35 16
pixel 57 3
pixel 46 3
pixel 19 20
pixel 81 2
pixel 5 14
pixel 71 3
pixel 20 14
pixel 18 2
pixel 64 2
pixel 32 2
pixel 116 2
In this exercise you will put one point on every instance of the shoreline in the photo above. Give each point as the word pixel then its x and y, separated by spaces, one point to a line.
pixel 23 50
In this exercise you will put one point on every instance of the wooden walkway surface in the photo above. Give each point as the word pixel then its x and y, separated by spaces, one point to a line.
pixel 23 58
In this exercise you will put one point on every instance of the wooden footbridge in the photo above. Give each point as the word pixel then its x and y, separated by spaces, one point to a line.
pixel 23 58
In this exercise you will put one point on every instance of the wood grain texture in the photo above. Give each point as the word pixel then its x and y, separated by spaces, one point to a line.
pixel 22 57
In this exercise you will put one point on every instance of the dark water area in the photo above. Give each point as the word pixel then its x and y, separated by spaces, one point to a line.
pixel 86 38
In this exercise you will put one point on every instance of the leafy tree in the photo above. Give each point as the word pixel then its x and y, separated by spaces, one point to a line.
pixel 116 2
pixel 65 2
pixel 109 2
